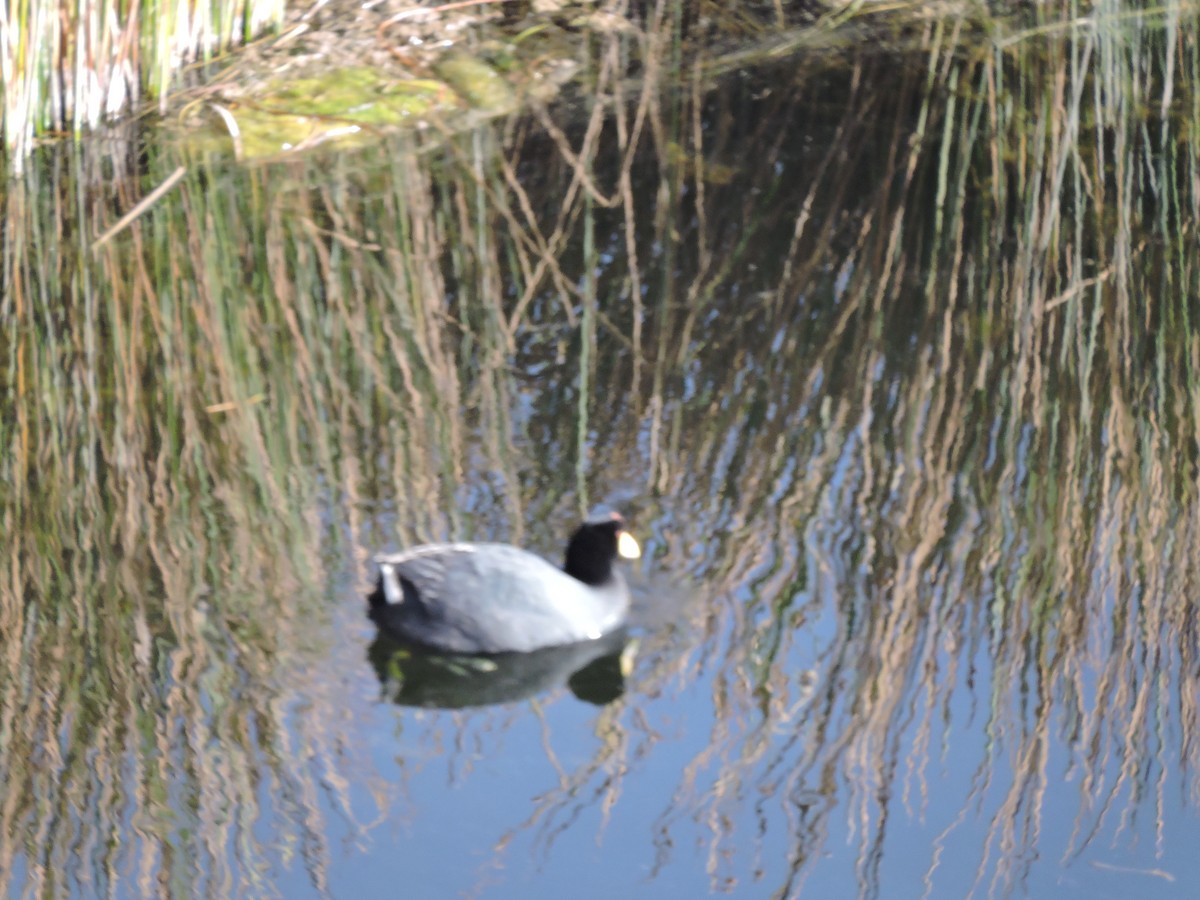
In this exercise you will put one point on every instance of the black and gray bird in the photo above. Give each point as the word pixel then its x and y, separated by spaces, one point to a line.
pixel 495 598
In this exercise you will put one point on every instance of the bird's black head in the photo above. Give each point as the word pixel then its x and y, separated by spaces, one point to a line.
pixel 595 545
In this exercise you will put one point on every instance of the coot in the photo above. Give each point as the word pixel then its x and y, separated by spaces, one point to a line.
pixel 493 598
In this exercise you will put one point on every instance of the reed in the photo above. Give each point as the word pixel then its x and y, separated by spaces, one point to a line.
pixel 68 66
pixel 912 400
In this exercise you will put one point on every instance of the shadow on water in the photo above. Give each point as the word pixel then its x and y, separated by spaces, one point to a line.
pixel 892 361
pixel 410 676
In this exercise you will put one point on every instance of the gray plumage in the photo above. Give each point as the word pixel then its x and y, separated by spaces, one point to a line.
pixel 494 598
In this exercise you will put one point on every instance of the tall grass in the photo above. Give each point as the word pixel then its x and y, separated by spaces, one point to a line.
pixel 69 65
pixel 966 442
pixel 911 395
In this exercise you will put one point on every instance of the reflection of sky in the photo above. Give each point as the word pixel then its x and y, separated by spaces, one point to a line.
pixel 481 803
pixel 785 467
pixel 477 800
pixel 465 790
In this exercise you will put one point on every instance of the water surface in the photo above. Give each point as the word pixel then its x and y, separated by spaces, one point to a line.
pixel 894 374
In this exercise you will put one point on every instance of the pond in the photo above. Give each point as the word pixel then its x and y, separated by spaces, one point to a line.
pixel 886 356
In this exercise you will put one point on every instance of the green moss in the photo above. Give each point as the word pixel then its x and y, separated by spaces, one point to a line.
pixel 353 105
pixel 357 94
pixel 346 105
pixel 480 84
